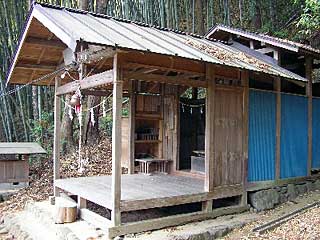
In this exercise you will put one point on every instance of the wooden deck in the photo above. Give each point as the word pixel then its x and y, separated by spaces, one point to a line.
pixel 138 191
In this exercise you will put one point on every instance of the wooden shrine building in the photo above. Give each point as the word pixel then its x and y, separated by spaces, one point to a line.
pixel 202 146
pixel 14 161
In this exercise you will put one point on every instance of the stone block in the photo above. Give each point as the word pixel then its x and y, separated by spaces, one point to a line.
pixel 310 186
pixel 301 189
pixel 317 185
pixel 265 199
pixel 291 192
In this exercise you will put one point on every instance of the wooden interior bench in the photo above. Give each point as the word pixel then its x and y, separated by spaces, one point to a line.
pixel 160 164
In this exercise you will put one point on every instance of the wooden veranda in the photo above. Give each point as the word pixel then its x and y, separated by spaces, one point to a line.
pixel 152 67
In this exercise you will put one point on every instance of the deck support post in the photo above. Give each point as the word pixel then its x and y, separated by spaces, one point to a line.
pixel 132 110
pixel 209 135
pixel 116 143
pixel 82 203
pixel 56 140
pixel 309 62
pixel 244 75
pixel 277 86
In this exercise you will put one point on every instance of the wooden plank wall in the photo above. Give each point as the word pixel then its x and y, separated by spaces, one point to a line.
pixel 14 171
pixel 170 124
pixel 226 132
pixel 228 141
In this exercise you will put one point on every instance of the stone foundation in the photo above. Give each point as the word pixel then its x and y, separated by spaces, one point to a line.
pixel 269 198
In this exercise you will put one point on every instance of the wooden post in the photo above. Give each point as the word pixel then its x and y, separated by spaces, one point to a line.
pixel 116 143
pixel 309 62
pixel 245 84
pixel 56 140
pixel 209 130
pixel 277 85
pixel 82 203
pixel 131 139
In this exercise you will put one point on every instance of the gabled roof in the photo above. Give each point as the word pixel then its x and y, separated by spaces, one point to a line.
pixel 70 27
pixel 20 148
pixel 274 41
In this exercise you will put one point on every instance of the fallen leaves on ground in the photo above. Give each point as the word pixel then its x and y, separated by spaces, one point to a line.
pixel 98 162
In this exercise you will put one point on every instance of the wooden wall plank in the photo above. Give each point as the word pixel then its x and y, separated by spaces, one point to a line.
pixel 116 143
pixel 57 134
pixel 245 83
pixel 131 140
pixel 309 62
pixel 210 129
pixel 277 85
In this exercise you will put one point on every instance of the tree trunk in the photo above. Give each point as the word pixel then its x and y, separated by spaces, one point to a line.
pixel 199 18
pixel 102 6
pixel 35 103
pixel 257 22
pixel 84 5
pixel 67 125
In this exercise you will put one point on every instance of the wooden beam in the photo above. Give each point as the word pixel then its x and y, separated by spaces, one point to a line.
pixel 255 186
pixel 164 79
pixel 265 50
pixel 277 83
pixel 37 67
pixel 175 220
pixel 245 83
pixel 100 93
pixel 96 80
pixel 45 43
pixel 94 219
pixel 309 62
pixel 131 138
pixel 116 143
pixel 56 140
pixel 151 67
pixel 209 129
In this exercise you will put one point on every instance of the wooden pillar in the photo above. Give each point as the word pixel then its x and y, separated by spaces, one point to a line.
pixel 245 83
pixel 309 62
pixel 56 140
pixel 131 139
pixel 209 130
pixel 116 143
pixel 277 85
pixel 82 203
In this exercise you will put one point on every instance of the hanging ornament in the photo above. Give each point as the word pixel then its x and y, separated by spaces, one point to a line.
pixel 191 110
pixel 70 113
pixel 201 110
pixel 104 111
pixel 182 107
pixel 75 100
pixel 92 116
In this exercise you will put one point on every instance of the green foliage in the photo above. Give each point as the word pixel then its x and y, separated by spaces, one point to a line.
pixel 42 131
pixel 310 18
pixel 106 124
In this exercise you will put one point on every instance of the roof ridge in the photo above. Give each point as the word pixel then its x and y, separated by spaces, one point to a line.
pixel 269 37
pixel 48 5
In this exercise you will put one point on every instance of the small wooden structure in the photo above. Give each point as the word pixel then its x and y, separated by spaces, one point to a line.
pixel 14 164
pixel 153 67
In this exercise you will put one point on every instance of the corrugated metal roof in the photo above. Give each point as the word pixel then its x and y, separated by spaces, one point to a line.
pixel 285 43
pixel 73 26
pixel 20 148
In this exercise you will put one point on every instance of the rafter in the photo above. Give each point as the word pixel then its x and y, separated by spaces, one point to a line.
pixel 45 42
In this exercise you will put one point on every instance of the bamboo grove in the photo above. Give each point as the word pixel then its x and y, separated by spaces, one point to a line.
pixel 26 114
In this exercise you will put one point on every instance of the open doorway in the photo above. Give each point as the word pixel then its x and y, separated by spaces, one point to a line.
pixel 192 130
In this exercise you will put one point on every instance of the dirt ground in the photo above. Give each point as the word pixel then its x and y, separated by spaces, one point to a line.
pixel 304 226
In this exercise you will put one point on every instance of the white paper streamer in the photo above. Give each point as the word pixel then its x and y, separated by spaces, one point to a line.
pixel 104 110
pixel 70 114
pixel 92 116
